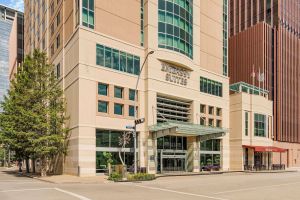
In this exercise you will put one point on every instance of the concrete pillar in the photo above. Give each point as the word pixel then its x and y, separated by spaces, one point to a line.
pixel 193 157
pixel 152 153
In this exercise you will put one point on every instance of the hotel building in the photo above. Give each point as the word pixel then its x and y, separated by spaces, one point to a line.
pixel 264 35
pixel 98 49
pixel 11 45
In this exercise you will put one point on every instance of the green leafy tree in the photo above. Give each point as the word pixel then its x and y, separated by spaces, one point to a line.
pixel 33 121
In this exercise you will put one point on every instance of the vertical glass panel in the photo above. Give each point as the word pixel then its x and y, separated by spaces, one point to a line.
pixel 160 143
pixel 130 68
pixel 131 94
pixel 136 65
pixel 167 142
pixel 102 89
pixel 114 138
pixel 102 138
pixel 118 109
pixel 84 15
pixel 131 111
pixel 100 55
pixel 91 19
pixel 85 3
pixel 116 63
pixel 102 107
pixel 91 5
pixel 108 57
pixel 123 62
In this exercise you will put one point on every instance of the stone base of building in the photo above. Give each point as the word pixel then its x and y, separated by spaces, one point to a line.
pixel 291 158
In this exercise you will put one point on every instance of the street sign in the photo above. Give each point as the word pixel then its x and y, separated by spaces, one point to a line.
pixel 139 121
pixel 129 127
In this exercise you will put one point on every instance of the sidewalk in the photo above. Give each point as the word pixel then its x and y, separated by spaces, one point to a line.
pixel 62 179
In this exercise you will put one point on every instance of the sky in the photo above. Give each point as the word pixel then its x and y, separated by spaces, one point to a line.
pixel 16 4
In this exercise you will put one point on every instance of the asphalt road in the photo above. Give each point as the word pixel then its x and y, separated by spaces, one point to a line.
pixel 234 186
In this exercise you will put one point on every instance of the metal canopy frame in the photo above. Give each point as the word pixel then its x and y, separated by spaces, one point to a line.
pixel 187 129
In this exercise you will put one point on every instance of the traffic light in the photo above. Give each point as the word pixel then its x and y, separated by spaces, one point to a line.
pixel 139 121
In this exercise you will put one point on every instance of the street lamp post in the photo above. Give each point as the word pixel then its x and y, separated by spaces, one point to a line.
pixel 135 110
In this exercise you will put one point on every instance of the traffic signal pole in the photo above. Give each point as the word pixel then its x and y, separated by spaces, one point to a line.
pixel 135 112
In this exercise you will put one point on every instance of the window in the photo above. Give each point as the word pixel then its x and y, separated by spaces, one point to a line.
pixel 52 8
pixel 259 125
pixel 43 44
pixel 131 94
pixel 117 60
pixel 210 145
pixel 88 13
pixel 131 111
pixel 142 22
pixel 225 37
pixel 202 108
pixel 246 123
pixel 118 109
pixel 102 89
pixel 57 41
pixel 219 123
pixel 119 92
pixel 58 18
pixel 52 49
pixel 211 87
pixel 108 138
pixel 175 26
pixel 202 121
pixel 219 111
pixel 103 106
pixel 211 122
pixel 52 29
pixel 172 142
pixel 58 71
pixel 211 110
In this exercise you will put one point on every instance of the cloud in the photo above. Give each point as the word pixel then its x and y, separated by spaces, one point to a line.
pixel 16 4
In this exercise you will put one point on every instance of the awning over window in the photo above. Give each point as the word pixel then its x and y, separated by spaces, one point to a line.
pixel 187 129
pixel 265 148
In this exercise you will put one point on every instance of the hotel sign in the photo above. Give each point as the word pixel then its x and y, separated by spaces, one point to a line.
pixel 175 74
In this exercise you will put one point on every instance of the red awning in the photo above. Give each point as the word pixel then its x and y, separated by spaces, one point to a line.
pixel 265 148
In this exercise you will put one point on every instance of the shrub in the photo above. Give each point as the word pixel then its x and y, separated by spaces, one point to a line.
pixel 140 177
pixel 115 176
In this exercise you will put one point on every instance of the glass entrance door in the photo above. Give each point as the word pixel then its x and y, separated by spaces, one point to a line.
pixel 173 164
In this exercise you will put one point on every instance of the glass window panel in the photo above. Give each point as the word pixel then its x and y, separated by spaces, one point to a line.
pixel 114 138
pixel 123 62
pixel 108 57
pixel 91 18
pixel 84 15
pixel 100 55
pixel 91 4
pixel 85 3
pixel 136 65
pixel 103 106
pixel 131 111
pixel 130 68
pixel 102 89
pixel 102 138
pixel 131 94
pixel 118 109
pixel 116 63
pixel 118 92
pixel 167 142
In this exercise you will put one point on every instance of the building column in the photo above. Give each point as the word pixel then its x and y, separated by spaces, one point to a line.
pixel 193 156
pixel 152 153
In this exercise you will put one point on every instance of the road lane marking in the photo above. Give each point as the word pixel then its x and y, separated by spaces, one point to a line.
pixel 22 190
pixel 255 188
pixel 182 193
pixel 72 194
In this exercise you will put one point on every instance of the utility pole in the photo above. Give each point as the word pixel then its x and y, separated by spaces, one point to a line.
pixel 135 111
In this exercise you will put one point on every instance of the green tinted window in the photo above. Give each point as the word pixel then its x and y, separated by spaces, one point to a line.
pixel 131 95
pixel 131 111
pixel 118 109
pixel 259 125
pixel 88 13
pixel 211 87
pixel 118 92
pixel 102 106
pixel 102 89
pixel 175 26
pixel 118 60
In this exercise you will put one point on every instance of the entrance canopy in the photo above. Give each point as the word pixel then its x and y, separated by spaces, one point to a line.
pixel 265 148
pixel 187 129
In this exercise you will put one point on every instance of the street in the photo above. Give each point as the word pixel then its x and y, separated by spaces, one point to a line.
pixel 230 186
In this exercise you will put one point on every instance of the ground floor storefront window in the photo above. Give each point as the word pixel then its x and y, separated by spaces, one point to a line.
pixel 109 141
pixel 210 155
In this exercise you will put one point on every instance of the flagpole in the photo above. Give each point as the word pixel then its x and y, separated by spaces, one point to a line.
pixel 258 77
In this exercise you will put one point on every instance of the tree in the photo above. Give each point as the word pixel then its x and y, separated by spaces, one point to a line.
pixel 33 118
pixel 108 159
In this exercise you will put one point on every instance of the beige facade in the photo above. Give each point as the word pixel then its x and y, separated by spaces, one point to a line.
pixel 117 25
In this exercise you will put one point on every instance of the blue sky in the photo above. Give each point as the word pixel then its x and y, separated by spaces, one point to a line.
pixel 16 4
